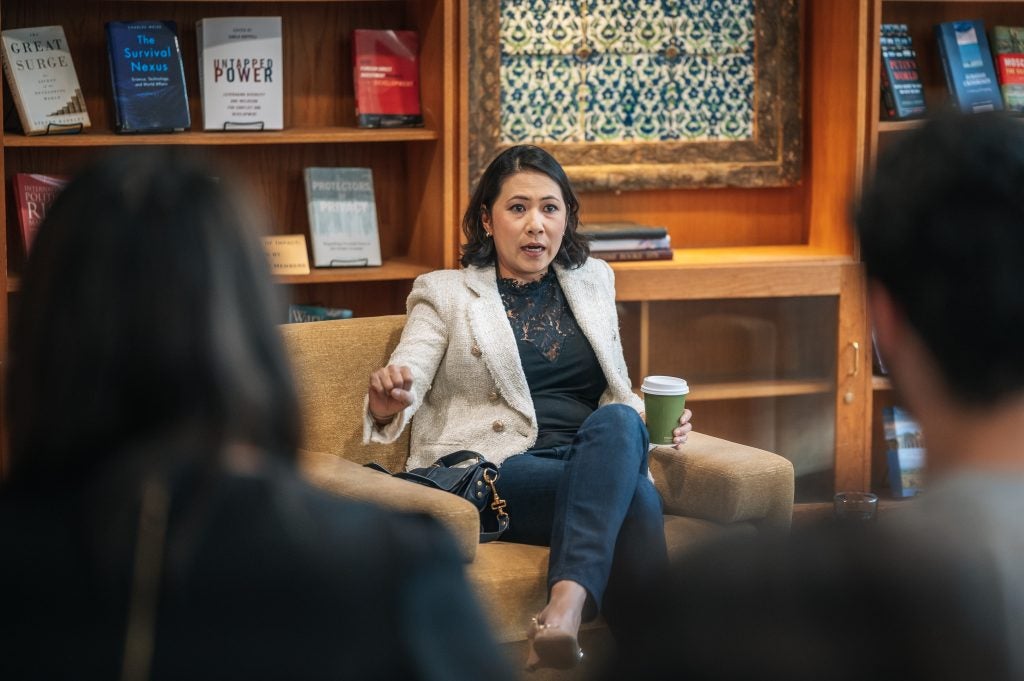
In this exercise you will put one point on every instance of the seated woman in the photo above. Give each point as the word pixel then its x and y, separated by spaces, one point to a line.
pixel 153 524
pixel 517 356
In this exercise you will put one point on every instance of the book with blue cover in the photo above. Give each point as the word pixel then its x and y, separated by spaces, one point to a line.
pixel 967 61
pixel 147 77
pixel 905 451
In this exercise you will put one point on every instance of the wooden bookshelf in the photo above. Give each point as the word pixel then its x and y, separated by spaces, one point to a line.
pixel 413 168
pixel 920 16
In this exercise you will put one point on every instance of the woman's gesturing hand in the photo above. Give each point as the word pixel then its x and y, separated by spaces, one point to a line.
pixel 680 433
pixel 389 392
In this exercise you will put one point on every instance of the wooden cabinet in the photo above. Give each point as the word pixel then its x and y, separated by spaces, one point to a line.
pixel 920 16
pixel 762 306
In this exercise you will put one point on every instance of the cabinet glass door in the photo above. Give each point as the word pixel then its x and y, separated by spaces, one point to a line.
pixel 761 372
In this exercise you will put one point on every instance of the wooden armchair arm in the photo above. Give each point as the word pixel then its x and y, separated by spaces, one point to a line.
pixel 349 479
pixel 726 482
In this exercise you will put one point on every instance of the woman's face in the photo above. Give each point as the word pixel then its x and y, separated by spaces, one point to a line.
pixel 527 224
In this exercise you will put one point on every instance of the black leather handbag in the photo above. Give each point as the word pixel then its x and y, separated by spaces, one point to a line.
pixel 471 477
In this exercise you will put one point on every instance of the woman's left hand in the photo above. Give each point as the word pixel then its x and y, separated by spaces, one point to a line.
pixel 680 434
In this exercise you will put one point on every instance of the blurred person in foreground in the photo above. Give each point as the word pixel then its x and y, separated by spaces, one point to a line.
pixel 153 524
pixel 935 591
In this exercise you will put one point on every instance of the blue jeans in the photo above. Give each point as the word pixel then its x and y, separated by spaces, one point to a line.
pixel 592 503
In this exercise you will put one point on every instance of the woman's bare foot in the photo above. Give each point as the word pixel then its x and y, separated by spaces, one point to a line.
pixel 555 632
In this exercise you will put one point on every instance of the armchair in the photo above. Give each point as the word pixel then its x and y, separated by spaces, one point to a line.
pixel 709 488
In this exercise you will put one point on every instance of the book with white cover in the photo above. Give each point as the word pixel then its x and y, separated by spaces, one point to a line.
pixel 43 80
pixel 342 217
pixel 240 73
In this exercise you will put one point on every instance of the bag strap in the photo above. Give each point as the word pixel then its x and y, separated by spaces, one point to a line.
pixel 461 456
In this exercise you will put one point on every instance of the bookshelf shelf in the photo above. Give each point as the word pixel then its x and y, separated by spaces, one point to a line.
pixel 881 383
pixel 899 126
pixel 757 389
pixel 325 135
pixel 737 272
pixel 392 270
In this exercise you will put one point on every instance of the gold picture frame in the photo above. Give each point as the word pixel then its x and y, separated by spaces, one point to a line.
pixel 769 155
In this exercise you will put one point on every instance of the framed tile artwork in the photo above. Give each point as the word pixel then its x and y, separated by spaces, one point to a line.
pixel 640 94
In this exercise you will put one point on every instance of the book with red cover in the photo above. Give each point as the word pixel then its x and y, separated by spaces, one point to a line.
pixel 1008 47
pixel 387 78
pixel 33 195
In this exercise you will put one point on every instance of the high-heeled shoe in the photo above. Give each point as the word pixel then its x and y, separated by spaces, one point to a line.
pixel 556 647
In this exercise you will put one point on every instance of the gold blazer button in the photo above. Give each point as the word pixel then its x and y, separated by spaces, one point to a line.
pixel 498 426
pixel 475 351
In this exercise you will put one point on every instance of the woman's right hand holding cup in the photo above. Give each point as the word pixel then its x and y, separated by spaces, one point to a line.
pixel 389 392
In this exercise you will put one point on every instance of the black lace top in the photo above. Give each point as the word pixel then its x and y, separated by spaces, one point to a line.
pixel 561 369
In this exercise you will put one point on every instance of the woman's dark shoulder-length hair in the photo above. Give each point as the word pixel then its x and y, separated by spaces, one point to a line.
pixel 479 248
pixel 146 310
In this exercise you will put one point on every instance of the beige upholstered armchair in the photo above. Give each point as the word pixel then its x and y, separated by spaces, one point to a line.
pixel 709 488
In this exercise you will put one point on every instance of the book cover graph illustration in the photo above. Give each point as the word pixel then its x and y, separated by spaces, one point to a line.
pixel 147 77
pixel 905 452
pixel 967 62
pixel 33 195
pixel 241 73
pixel 342 217
pixel 43 81
pixel 1008 47
pixel 387 78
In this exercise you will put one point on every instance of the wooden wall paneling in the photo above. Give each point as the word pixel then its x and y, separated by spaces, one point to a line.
pixel 836 104
pixel 853 379
pixel 700 218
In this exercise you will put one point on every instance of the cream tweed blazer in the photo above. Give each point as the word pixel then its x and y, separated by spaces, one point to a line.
pixel 469 389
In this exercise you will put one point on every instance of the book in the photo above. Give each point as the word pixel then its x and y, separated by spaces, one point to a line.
pixel 33 196
pixel 648 254
pixel 298 314
pixel 905 451
pixel 597 245
pixel 621 230
pixel 147 77
pixel 902 89
pixel 286 254
pixel 342 217
pixel 1008 48
pixel 43 81
pixel 387 78
pixel 967 62
pixel 241 73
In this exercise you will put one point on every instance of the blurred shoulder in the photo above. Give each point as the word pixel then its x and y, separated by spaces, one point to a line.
pixel 385 538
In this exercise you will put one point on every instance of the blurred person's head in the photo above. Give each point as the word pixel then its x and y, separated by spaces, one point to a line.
pixel 941 231
pixel 513 182
pixel 145 313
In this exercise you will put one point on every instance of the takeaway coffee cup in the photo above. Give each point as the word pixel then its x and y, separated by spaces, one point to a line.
pixel 664 401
